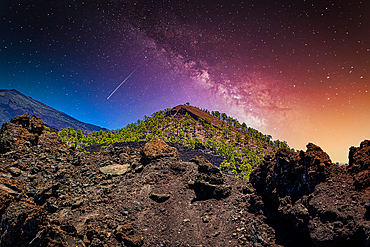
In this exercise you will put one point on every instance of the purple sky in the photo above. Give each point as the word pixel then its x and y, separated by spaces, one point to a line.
pixel 298 70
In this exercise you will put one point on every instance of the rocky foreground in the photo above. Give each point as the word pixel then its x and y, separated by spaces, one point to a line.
pixel 52 195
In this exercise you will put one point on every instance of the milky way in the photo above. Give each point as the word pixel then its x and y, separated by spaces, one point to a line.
pixel 298 70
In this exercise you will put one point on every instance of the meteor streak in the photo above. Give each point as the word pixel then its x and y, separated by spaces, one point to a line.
pixel 123 82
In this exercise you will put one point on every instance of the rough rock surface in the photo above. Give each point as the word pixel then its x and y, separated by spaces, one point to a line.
pixel 359 164
pixel 70 202
pixel 209 182
pixel 156 149
pixel 115 169
pixel 292 174
pixel 51 195
pixel 25 134
pixel 315 198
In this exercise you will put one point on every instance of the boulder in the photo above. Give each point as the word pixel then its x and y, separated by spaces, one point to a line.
pixel 293 174
pixel 26 132
pixel 159 197
pixel 23 120
pixel 205 190
pixel 209 183
pixel 359 164
pixel 115 170
pixel 156 149
pixel 129 235
pixel 359 157
pixel 20 224
pixel 36 125
pixel 204 166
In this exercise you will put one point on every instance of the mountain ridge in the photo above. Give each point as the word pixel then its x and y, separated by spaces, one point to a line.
pixel 14 103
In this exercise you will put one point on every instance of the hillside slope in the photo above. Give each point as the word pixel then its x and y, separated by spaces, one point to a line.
pixel 242 147
pixel 14 103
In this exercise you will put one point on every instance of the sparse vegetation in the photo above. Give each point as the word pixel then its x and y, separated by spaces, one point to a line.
pixel 243 147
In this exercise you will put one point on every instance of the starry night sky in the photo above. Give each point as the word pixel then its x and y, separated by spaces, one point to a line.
pixel 298 70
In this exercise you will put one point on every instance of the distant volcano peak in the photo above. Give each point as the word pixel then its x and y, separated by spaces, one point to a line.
pixel 14 103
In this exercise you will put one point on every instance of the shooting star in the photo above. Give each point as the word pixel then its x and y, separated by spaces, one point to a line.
pixel 123 82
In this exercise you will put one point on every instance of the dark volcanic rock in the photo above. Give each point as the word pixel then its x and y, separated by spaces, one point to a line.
pixel 23 120
pixel 316 198
pixel 157 149
pixel 54 235
pixel 359 158
pixel 36 125
pixel 74 204
pixel 359 164
pixel 20 223
pixel 130 236
pixel 142 194
pixel 5 198
pixel 209 183
pixel 204 166
pixel 159 197
pixel 292 174
pixel 23 135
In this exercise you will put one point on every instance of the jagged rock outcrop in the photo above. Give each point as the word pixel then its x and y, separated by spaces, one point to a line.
pixel 34 125
pixel 128 235
pixel 20 223
pixel 289 174
pixel 359 158
pixel 359 164
pixel 24 133
pixel 210 182
pixel 315 197
pixel 157 149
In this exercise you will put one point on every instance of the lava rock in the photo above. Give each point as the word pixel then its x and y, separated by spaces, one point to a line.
pixel 36 125
pixel 23 120
pixel 204 166
pixel 20 223
pixel 293 174
pixel 129 235
pixel 115 170
pixel 359 164
pixel 15 171
pixel 209 183
pixel 158 197
pixel 155 149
